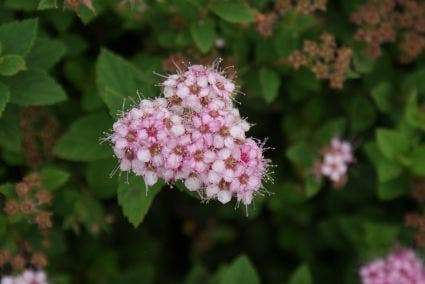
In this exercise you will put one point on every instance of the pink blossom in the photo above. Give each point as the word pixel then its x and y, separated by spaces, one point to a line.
pixel 335 162
pixel 193 134
pixel 27 277
pixel 402 266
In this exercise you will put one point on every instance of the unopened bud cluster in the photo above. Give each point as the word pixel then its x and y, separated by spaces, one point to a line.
pixel 31 201
pixel 324 59
pixel 386 21
pixel 402 266
pixel 335 161
pixel 26 277
pixel 37 143
pixel 193 134
pixel 302 7
pixel 74 4
pixel 416 220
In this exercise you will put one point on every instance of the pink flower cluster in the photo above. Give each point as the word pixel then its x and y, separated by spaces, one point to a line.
pixel 336 159
pixel 400 267
pixel 193 134
pixel 27 277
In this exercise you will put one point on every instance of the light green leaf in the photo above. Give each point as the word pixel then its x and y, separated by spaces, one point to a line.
pixel 392 143
pixel 11 64
pixel 18 37
pixel 417 158
pixel 82 140
pixel 270 83
pixel 388 170
pixel 203 34
pixel 240 270
pixel 301 275
pixel 312 186
pixel 134 198
pixel 45 53
pixel 53 178
pixel 7 189
pixel 301 154
pixel 117 80
pixel 233 11
pixel 34 87
pixel 4 97
pixel 381 94
pixel 47 4
pixel 414 116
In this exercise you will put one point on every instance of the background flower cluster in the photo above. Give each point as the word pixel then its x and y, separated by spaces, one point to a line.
pixel 336 88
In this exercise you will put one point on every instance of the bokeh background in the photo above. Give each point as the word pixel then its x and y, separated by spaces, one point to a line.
pixel 308 71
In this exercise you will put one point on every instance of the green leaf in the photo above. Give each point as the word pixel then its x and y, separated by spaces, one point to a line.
pixel 45 53
pixel 98 175
pixel 25 5
pixel 301 154
pixel 240 270
pixel 18 37
pixel 381 94
pixel 11 64
pixel 270 83
pixel 325 133
pixel 34 87
pixel 135 198
pixel 412 81
pixel 286 41
pixel 10 131
pixel 378 237
pixel 414 116
pixel 417 159
pixel 47 4
pixel 388 170
pixel 82 140
pixel 312 186
pixel 233 11
pixel 301 275
pixel 117 80
pixel 54 178
pixel 7 189
pixel 4 97
pixel 393 189
pixel 203 34
pixel 392 143
pixel 362 64
pixel 361 112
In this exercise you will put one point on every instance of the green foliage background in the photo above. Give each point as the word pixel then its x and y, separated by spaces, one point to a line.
pixel 82 68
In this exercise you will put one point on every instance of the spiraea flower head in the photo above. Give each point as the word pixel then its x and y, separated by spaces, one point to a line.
pixel 402 266
pixel 194 134
pixel 26 277
pixel 335 161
